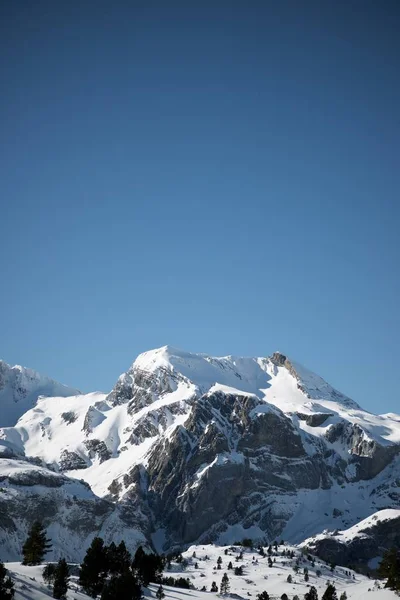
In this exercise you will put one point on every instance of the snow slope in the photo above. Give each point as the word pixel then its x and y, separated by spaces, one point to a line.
pixel 20 388
pixel 201 571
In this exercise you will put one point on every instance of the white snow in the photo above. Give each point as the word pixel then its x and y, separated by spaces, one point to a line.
pixel 257 577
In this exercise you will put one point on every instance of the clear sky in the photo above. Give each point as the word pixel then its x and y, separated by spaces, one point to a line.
pixel 219 176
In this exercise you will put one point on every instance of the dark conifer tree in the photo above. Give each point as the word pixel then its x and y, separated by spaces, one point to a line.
pixel 312 594
pixel 36 545
pixel 122 587
pixel 390 569
pixel 214 587
pixel 263 596
pixel 225 586
pixel 160 593
pixel 147 567
pixel 330 593
pixel 49 572
pixel 61 574
pixel 118 557
pixel 6 585
pixel 93 571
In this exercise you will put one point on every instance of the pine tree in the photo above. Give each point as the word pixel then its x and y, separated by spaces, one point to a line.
pixel 230 565
pixel 330 593
pixel 122 587
pixel 263 596
pixel 390 569
pixel 36 545
pixel 147 567
pixel 49 573
pixel 225 586
pixel 118 557
pixel 214 587
pixel 306 576
pixel 289 579
pixel 60 586
pixel 284 597
pixel 343 596
pixel 160 593
pixel 311 594
pixel 93 571
pixel 6 585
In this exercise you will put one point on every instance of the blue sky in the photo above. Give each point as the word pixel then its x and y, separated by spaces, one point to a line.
pixel 219 176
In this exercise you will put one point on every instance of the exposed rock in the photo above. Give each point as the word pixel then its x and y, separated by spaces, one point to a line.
pixel 69 417
pixel 356 551
pixel 70 461
pixel 314 419
pixel 99 449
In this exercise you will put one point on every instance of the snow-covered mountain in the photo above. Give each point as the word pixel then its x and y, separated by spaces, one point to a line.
pixel 202 448
pixel 20 389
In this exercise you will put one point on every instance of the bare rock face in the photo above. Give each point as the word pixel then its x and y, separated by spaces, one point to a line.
pixel 211 470
pixel 98 449
pixel 67 508
pixel 372 542
pixel 70 461
pixel 369 457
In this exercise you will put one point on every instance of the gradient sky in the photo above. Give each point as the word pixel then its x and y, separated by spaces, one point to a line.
pixel 219 176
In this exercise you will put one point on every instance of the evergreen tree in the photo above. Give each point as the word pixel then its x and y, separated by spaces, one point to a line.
pixel 122 587
pixel 263 596
pixel 289 579
pixel 230 565
pixel 311 594
pixel 61 574
pixel 118 557
pixel 49 572
pixel 147 567
pixel 225 586
pixel 94 569
pixel 306 576
pixel 160 593
pixel 214 587
pixel 269 561
pixel 284 597
pixel 36 545
pixel 343 596
pixel 6 585
pixel 330 593
pixel 390 569
pixel 239 570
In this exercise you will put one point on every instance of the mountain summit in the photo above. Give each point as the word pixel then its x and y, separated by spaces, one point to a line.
pixel 194 448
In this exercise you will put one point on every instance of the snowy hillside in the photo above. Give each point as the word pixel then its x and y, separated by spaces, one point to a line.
pixel 20 389
pixel 202 448
pixel 200 567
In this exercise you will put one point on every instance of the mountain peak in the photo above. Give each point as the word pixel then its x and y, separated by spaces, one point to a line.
pixel 20 388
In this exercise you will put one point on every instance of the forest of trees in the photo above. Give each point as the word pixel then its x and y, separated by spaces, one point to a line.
pixel 111 573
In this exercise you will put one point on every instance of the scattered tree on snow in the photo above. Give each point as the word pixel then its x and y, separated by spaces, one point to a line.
pixel 36 545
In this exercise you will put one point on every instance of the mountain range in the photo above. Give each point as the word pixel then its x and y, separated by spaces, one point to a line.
pixel 191 449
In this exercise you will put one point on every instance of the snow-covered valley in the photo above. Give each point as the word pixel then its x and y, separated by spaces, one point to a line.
pixel 200 567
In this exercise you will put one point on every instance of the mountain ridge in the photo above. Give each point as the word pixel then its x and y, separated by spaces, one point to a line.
pixel 201 447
